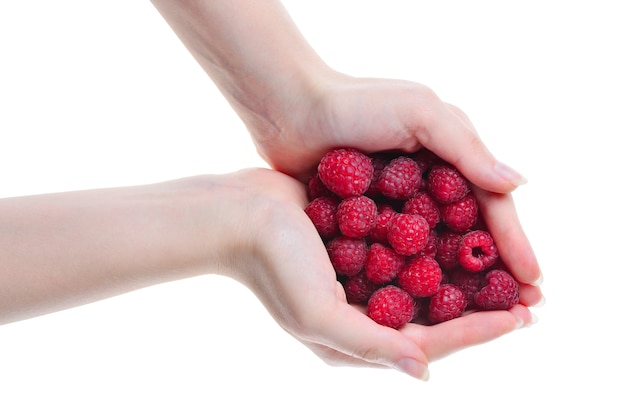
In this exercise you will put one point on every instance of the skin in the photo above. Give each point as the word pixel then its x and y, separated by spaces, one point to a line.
pixel 67 249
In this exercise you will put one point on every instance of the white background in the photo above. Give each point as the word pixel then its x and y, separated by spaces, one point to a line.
pixel 104 94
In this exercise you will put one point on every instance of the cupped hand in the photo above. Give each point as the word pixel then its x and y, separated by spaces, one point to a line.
pixel 285 264
pixel 375 115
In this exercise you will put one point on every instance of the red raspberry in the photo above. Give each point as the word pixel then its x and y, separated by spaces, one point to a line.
pixel 446 304
pixel 468 282
pixel 408 233
pixel 346 172
pixel 500 293
pixel 391 306
pixel 448 244
pixel 382 264
pixel 379 232
pixel 359 288
pixel 425 160
pixel 400 179
pixel 356 216
pixel 420 276
pixel 461 215
pixel 322 212
pixel 316 188
pixel 446 184
pixel 477 251
pixel 424 205
pixel 431 245
pixel 379 162
pixel 347 254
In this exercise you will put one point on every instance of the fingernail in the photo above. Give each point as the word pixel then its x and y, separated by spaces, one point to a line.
pixel 413 368
pixel 538 281
pixel 541 302
pixel 509 174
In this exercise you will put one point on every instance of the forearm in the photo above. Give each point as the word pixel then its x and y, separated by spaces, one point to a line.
pixel 252 50
pixel 62 250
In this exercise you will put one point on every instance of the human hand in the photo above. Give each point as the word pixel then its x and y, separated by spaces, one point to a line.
pixel 285 264
pixel 378 115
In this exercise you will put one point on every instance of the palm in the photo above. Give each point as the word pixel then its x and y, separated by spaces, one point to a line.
pixel 293 277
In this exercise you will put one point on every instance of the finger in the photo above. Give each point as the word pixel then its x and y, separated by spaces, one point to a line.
pixel 448 133
pixel 333 357
pixel 530 295
pixel 352 333
pixel 513 245
pixel 445 338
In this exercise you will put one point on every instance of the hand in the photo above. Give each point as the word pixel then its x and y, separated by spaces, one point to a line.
pixel 286 265
pixel 376 115
pixel 297 108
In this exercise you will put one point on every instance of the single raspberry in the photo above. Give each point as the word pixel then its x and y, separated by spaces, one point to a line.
pixel 391 306
pixel 400 179
pixel 379 162
pixel 425 160
pixel 316 188
pixel 448 244
pixel 468 282
pixel 431 245
pixel 356 216
pixel 424 205
pixel 446 184
pixel 408 233
pixel 347 254
pixel 461 215
pixel 322 212
pixel 382 263
pixel 446 304
pixel 346 172
pixel 420 276
pixel 359 288
pixel 500 293
pixel 379 232
pixel 477 251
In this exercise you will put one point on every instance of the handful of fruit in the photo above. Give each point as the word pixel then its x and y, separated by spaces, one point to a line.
pixel 405 237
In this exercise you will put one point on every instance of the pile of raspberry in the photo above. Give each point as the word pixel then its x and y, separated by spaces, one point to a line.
pixel 405 237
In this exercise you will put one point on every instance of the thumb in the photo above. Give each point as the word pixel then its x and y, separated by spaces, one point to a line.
pixel 450 134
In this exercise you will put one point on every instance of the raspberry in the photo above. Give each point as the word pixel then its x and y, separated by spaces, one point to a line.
pixel 424 205
pixel 346 172
pixel 477 251
pixel 446 304
pixel 400 179
pixel 347 254
pixel 408 233
pixel 379 162
pixel 382 264
pixel 425 160
pixel 500 293
pixel 356 216
pixel 420 276
pixel 468 282
pixel 431 245
pixel 446 184
pixel 448 244
pixel 359 288
pixel 322 212
pixel 379 231
pixel 461 215
pixel 391 306
pixel 316 188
